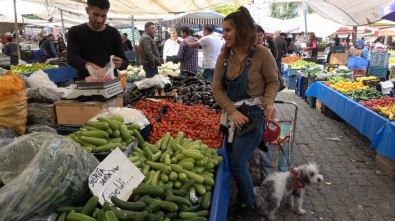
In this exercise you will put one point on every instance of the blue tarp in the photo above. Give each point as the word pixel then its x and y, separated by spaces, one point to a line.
pixel 378 129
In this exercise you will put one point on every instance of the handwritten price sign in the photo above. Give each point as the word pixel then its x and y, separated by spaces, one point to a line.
pixel 115 176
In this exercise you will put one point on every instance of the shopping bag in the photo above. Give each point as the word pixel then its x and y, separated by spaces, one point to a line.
pixel 13 111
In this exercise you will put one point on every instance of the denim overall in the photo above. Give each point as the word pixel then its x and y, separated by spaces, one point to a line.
pixel 243 146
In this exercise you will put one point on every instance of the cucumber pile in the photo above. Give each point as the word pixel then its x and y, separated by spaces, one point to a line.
pixel 106 134
pixel 179 177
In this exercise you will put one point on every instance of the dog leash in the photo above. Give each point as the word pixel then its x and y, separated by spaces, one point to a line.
pixel 280 141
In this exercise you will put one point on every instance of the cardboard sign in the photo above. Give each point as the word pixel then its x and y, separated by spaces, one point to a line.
pixel 114 176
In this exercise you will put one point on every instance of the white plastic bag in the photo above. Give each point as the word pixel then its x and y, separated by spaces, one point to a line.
pixel 156 81
pixel 130 116
pixel 104 74
pixel 40 79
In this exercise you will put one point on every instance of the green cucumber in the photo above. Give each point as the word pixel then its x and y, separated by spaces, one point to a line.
pixel 79 217
pixel 149 190
pixel 202 213
pixel 94 140
pixel 159 166
pixel 67 209
pixel 154 206
pixel 186 215
pixel 90 206
pixel 140 139
pixel 110 216
pixel 169 206
pixel 113 125
pixel 133 127
pixel 124 132
pixel 179 200
pixel 62 217
pixel 98 124
pixel 131 206
pixel 206 201
pixel 99 134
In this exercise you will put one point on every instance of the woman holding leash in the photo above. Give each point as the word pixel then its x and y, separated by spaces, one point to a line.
pixel 245 85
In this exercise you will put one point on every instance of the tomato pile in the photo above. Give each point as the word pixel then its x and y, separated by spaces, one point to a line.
pixel 196 122
pixel 382 102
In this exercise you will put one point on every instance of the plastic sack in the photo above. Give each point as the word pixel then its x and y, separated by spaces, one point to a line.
pixel 6 136
pixel 103 74
pixel 17 155
pixel 40 79
pixel 10 83
pixel 42 95
pixel 158 81
pixel 130 116
pixel 39 114
pixel 57 175
pixel 13 111
pixel 40 128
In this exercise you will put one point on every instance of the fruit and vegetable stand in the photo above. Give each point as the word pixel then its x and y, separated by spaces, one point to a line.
pixel 378 129
pixel 55 74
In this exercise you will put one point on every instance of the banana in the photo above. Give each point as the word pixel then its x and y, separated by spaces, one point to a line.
pixel 386 111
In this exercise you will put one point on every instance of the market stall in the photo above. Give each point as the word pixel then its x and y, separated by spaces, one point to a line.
pixel 369 123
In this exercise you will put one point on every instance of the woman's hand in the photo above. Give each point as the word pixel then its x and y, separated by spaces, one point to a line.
pixel 239 119
pixel 269 112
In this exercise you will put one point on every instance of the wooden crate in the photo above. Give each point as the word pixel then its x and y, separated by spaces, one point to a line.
pixel 319 106
pixel 386 165
pixel 338 58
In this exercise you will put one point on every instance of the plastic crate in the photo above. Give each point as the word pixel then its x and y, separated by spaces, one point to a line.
pixel 379 59
pixel 357 63
pixel 337 49
pixel 291 82
pixel 311 101
pixel 66 130
pixel 380 72
pixel 331 115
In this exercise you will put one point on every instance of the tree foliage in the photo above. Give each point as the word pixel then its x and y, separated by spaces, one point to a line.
pixel 226 9
pixel 284 10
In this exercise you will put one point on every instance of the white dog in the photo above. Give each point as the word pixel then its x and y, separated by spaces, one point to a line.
pixel 287 186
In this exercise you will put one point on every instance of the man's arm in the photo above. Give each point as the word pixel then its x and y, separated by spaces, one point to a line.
pixel 148 51
pixel 181 51
pixel 53 48
pixel 74 58
pixel 119 52
pixel 193 45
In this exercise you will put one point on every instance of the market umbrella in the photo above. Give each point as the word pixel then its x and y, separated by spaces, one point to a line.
pixel 387 11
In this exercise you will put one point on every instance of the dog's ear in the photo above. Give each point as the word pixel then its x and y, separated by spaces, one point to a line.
pixel 304 177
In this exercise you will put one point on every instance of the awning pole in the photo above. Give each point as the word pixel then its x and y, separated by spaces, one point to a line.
pixel 133 40
pixel 61 18
pixel 305 20
pixel 17 32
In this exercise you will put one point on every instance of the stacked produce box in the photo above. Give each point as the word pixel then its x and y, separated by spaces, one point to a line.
pixel 379 64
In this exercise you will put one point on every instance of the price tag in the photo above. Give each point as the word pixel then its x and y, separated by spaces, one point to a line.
pixel 115 176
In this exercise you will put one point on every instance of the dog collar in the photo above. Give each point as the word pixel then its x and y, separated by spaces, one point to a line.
pixel 297 183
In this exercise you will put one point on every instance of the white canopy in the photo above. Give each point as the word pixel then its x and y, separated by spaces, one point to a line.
pixel 321 27
pixel 194 19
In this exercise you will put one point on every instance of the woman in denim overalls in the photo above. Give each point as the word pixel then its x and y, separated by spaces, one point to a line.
pixel 245 85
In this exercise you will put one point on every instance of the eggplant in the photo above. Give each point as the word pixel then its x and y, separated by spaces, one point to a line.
pixel 195 97
pixel 184 90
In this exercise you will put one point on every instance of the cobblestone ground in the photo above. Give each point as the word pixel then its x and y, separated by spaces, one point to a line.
pixel 354 189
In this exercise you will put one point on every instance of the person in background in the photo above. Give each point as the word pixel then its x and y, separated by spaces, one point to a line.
pixel 351 50
pixel 337 40
pixel 312 47
pixel 50 47
pixel 281 48
pixel 90 45
pixel 148 51
pixel 290 44
pixel 186 55
pixel 365 51
pixel 171 47
pixel 361 43
pixel 211 46
pixel 126 43
pixel 11 49
pixel 245 85
pixel 348 41
pixel 61 45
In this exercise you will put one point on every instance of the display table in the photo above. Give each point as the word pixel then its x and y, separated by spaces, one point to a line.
pixel 378 129
pixel 60 74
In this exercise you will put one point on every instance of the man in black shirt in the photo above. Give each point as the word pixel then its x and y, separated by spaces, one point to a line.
pixel 337 41
pixel 91 44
